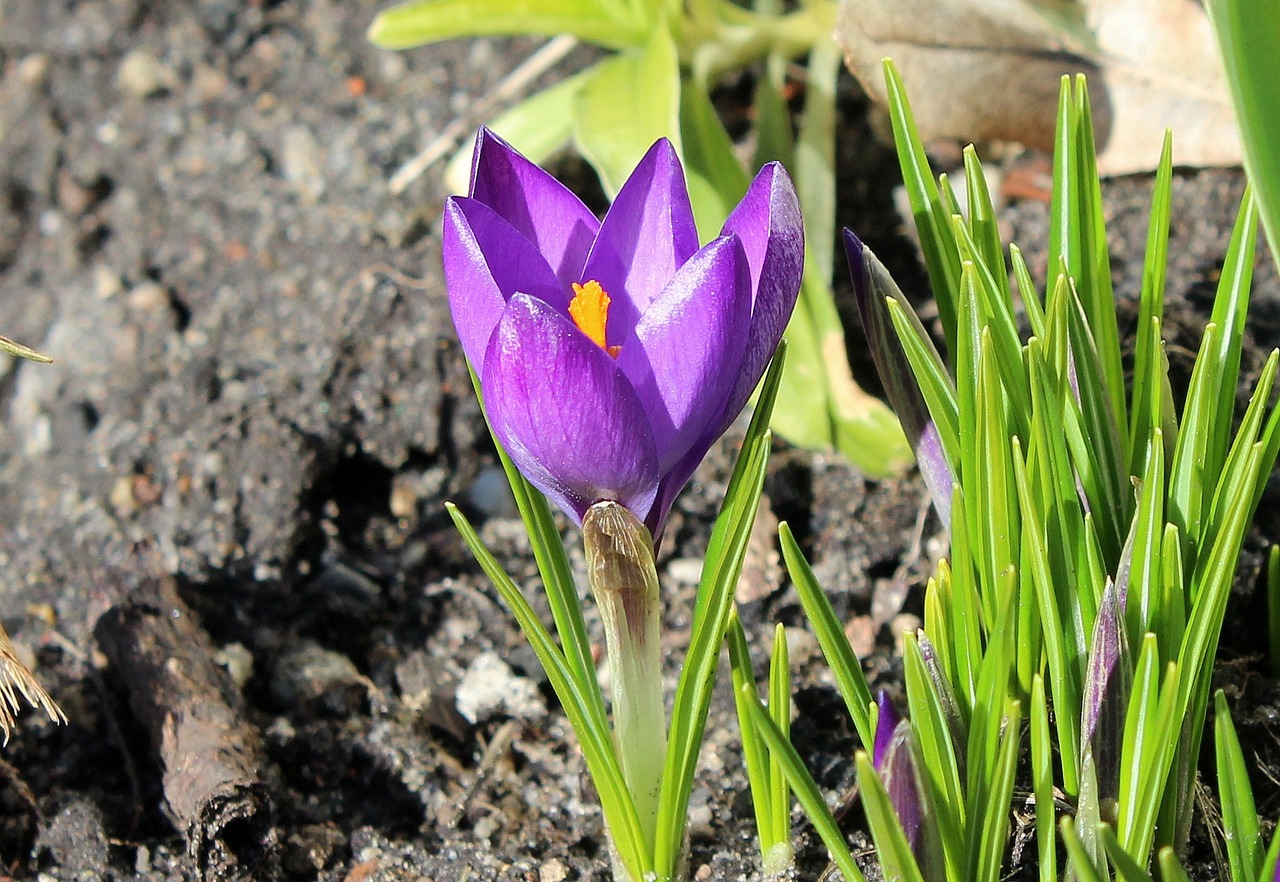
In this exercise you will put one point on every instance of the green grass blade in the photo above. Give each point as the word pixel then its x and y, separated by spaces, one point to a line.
pixel 1127 869
pixel 726 551
pixel 594 735
pixel 1149 365
pixel 933 222
pixel 806 791
pixel 892 847
pixel 846 669
pixel 1027 292
pixel 1171 868
pixel 1042 783
pixel 1077 856
pixel 1273 606
pixel 983 225
pixel 780 712
pixel 754 754
pixel 992 826
pixel 1064 667
pixel 1245 854
pixel 938 764
pixel 1094 283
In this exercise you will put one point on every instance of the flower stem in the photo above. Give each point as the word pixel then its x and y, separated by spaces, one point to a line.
pixel 624 581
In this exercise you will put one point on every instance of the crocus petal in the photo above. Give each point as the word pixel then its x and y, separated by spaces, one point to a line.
pixel 768 222
pixel 565 414
pixel 886 723
pixel 646 236
pixel 540 207
pixel 486 261
pixel 682 358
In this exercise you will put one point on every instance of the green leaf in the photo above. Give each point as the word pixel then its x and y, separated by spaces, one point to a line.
pixel 754 753
pixel 1273 606
pixel 780 711
pixel 1079 858
pixel 802 784
pixel 892 847
pixel 1249 41
pixel 612 131
pixel 594 734
pixel 1230 308
pixel 992 826
pixel 717 181
pixel 726 550
pixel 421 22
pixel 1127 868
pixel 1171 869
pixel 815 160
pixel 933 221
pixel 774 139
pixel 831 637
pixel 1245 853
pixel 938 764
pixel 1042 782
pixel 1063 664
pixel 1150 367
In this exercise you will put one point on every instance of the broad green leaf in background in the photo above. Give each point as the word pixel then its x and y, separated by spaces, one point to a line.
pixel 632 101
pixel 539 127
pixel 427 21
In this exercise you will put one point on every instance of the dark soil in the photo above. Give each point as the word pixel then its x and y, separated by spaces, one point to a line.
pixel 258 404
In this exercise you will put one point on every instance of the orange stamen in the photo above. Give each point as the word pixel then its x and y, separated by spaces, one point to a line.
pixel 589 310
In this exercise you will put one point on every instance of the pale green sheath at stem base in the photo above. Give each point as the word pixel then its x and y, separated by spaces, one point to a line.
pixel 624 582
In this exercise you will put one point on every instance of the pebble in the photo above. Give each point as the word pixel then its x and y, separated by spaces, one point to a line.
pixel 491 494
pixel 553 870
pixel 142 75
pixel 489 688
pixel 310 673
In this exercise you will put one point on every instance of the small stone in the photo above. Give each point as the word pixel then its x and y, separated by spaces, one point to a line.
pixel 33 69
pixel 490 689
pixel 142 75
pixel 238 661
pixel 301 163
pixel 491 494
pixel 553 870
pixel 903 623
pixel 121 497
pixel 312 675
pixel 862 635
pixel 148 297
pixel 685 570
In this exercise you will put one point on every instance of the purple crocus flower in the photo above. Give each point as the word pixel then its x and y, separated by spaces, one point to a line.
pixel 612 354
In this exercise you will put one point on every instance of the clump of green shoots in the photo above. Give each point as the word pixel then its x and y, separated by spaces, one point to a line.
pixel 1095 525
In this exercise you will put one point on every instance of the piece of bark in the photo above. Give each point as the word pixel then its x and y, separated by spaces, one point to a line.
pixel 211 755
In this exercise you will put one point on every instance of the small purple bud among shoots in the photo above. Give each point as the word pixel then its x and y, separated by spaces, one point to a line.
pixel 1106 697
pixel 872 286
pixel 886 723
